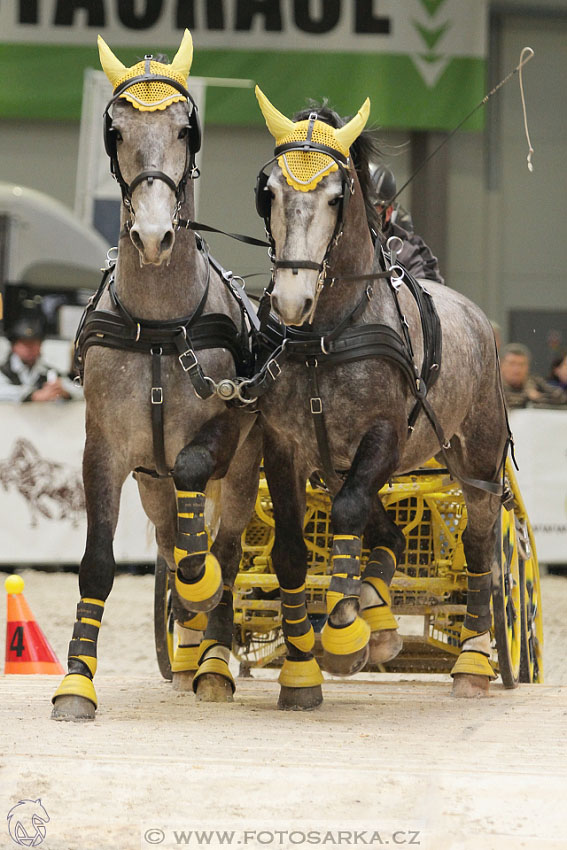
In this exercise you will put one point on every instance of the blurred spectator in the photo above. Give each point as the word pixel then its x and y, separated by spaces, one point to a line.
pixel 25 376
pixel 415 255
pixel 521 388
pixel 558 374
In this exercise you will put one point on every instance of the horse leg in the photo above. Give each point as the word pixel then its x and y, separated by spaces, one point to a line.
pixel 198 576
pixel 300 678
pixel 213 681
pixel 346 635
pixel 159 503
pixel 75 698
pixel 472 671
pixel 387 544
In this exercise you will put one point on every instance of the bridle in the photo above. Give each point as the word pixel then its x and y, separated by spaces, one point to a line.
pixel 264 209
pixel 190 172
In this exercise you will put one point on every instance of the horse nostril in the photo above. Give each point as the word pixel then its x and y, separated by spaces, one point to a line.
pixel 136 239
pixel 275 305
pixel 167 242
pixel 308 306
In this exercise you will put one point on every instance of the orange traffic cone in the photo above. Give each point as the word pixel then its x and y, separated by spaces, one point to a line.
pixel 27 648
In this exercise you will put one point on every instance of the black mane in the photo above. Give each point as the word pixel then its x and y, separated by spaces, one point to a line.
pixel 364 151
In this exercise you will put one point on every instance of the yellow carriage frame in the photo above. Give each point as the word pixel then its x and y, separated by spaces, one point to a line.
pixel 429 585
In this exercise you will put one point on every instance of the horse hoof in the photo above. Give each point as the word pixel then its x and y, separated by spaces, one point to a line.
pixel 470 686
pixel 211 687
pixel 183 681
pixel 300 699
pixel 384 646
pixel 70 707
pixel 345 665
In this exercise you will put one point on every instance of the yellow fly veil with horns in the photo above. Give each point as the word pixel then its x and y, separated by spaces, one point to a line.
pixel 149 96
pixel 303 170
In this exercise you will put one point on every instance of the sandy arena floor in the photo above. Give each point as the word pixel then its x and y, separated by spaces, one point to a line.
pixel 383 762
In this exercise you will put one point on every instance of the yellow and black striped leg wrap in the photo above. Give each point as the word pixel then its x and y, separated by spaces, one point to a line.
pixel 474 657
pixel 297 629
pixel 344 638
pixel 198 578
pixel 379 572
pixel 186 653
pixel 82 661
pixel 478 617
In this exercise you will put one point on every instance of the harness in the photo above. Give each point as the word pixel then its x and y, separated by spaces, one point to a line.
pixel 184 336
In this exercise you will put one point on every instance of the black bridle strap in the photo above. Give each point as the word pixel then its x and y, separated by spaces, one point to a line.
pixel 298 264
pixel 187 224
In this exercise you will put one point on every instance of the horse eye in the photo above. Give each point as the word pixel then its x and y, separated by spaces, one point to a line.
pixel 183 133
pixel 335 201
pixel 118 135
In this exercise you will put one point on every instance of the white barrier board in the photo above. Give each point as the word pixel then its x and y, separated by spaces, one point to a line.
pixel 540 438
pixel 42 506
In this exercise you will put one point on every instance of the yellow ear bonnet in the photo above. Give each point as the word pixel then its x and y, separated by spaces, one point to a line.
pixel 154 94
pixel 303 170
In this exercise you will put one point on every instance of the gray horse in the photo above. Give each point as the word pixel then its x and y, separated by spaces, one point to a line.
pixel 151 381
pixel 359 342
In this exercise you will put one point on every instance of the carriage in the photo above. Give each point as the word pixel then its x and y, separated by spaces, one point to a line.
pixel 428 588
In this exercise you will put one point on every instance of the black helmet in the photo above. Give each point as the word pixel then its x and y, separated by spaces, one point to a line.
pixel 26 327
pixel 384 184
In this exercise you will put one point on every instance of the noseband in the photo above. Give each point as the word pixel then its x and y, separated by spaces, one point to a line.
pixel 190 172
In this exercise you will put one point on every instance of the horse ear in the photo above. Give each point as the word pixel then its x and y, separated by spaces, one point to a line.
pixel 184 56
pixel 351 131
pixel 278 125
pixel 112 67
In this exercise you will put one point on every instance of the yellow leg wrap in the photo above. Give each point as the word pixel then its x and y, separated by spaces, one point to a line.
pixel 214 665
pixel 304 643
pixel 198 623
pixel 185 659
pixel 379 618
pixel 76 685
pixel 300 674
pixel 380 587
pixel 466 634
pixel 207 586
pixel 89 660
pixel 344 641
pixel 475 663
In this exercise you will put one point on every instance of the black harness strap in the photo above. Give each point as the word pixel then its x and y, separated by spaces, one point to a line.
pixel 156 398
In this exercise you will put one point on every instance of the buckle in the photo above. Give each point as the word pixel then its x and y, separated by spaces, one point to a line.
pixel 316 405
pixel 272 366
pixel 157 395
pixel 187 355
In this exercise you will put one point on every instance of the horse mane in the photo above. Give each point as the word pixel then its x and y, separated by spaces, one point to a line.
pixel 364 150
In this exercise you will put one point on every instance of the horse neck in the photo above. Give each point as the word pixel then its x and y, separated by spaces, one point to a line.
pixel 167 291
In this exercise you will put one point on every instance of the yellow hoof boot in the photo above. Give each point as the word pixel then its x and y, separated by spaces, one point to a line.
pixel 217 666
pixel 205 592
pixel 77 686
pixel 300 674
pixel 473 663
pixel 346 639
pixel 185 659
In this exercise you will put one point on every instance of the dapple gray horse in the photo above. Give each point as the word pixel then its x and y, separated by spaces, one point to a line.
pixel 166 329
pixel 350 403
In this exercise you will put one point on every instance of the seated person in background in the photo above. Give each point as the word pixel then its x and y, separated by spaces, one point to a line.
pixel 415 255
pixel 521 389
pixel 25 376
pixel 558 373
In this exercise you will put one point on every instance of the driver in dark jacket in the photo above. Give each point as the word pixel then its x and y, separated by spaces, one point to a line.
pixel 415 255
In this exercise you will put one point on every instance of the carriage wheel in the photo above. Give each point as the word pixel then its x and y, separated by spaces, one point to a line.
pixel 508 613
pixel 163 619
pixel 531 659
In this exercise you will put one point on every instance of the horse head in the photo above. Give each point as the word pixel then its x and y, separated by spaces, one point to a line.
pixel 151 138
pixel 303 202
